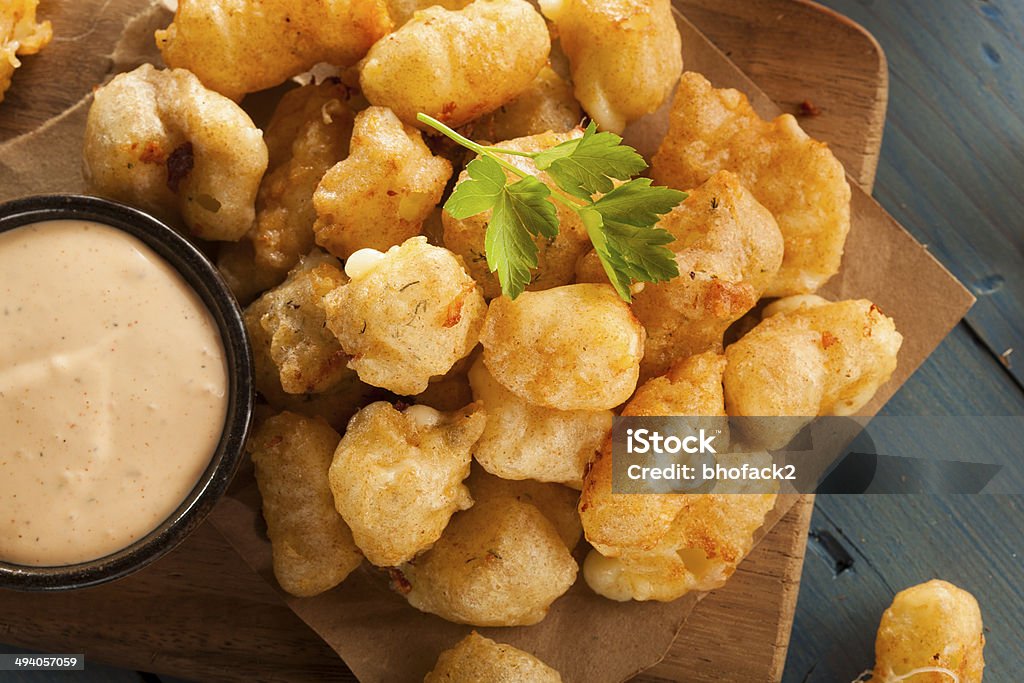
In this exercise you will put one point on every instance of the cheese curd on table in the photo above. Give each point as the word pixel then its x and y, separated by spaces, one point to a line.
pixel 113 391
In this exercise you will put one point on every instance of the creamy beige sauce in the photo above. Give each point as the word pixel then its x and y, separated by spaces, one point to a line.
pixel 112 391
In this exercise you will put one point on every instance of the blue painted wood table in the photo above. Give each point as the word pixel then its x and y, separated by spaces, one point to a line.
pixel 952 172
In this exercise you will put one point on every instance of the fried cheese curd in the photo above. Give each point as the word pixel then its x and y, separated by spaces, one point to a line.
pixel 612 521
pixel 526 441
pixel 625 55
pixel 662 546
pixel 555 501
pixel 795 177
pixel 546 106
pixel 576 347
pixel 475 659
pixel 808 357
pixel 312 546
pixel 346 393
pixel 448 392
pixel 397 476
pixel 709 538
pixel 20 34
pixel 457 65
pixel 500 563
pixel 246 279
pixel 335 405
pixel 406 315
pixel 241 46
pixel 161 141
pixel 401 11
pixel 308 133
pixel 556 258
pixel 289 322
pixel 380 195
pixel 932 633
pixel 727 248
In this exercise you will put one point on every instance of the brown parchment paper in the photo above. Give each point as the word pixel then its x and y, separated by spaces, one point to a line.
pixel 381 638
pixel 91 43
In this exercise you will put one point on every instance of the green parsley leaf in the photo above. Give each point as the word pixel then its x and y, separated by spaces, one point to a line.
pixel 480 191
pixel 637 203
pixel 586 166
pixel 511 253
pixel 628 243
pixel 521 212
pixel 621 222
pixel 629 252
pixel 641 252
pixel 528 199
pixel 614 268
pixel 546 157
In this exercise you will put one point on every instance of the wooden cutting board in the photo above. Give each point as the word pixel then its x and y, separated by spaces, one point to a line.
pixel 201 613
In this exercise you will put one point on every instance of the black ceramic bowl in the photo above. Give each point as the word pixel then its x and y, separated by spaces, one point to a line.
pixel 202 275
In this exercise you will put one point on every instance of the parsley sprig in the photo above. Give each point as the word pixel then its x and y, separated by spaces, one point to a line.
pixel 621 221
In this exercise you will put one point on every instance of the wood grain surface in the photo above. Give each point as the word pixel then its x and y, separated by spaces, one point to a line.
pixel 43 86
pixel 201 614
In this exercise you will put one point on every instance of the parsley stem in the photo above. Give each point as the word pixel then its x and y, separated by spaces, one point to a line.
pixel 562 198
pixel 466 142
pixel 567 200
pixel 511 152
pixel 441 128
pixel 469 144
pixel 504 164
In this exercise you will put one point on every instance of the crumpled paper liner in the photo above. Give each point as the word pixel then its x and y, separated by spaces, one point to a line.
pixel 90 44
pixel 587 638
pixel 381 638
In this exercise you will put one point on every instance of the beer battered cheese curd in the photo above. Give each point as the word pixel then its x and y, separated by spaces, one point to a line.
pixel 113 391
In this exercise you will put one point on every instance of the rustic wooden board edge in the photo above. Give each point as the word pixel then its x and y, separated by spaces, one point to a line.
pixel 801 514
pixel 859 103
pixel 866 175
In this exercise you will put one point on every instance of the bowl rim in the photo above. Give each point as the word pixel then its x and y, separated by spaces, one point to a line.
pixel 205 280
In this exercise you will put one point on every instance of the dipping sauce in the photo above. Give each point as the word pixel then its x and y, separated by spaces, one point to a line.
pixel 113 391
